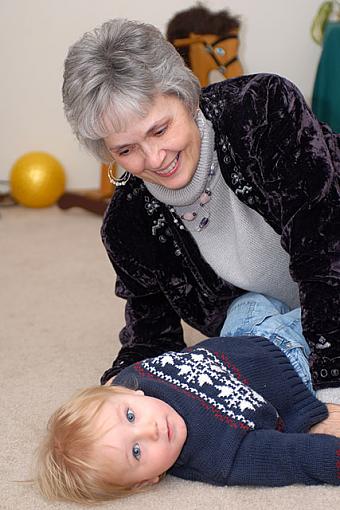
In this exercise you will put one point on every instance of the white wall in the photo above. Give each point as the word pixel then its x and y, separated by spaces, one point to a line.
pixel 35 36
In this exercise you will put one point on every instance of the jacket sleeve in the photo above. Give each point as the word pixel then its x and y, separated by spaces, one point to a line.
pixel 152 326
pixel 150 320
pixel 272 458
pixel 298 161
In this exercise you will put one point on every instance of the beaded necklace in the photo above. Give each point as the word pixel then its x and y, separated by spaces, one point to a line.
pixel 198 218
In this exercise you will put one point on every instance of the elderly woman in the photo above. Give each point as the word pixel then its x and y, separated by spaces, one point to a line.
pixel 231 188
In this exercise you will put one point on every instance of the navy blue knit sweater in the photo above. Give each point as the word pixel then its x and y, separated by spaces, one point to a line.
pixel 245 409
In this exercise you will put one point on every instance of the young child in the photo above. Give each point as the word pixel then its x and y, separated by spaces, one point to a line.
pixel 227 411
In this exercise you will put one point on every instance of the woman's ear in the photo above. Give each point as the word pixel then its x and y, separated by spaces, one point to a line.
pixel 139 392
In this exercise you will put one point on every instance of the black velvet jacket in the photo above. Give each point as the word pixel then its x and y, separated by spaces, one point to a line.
pixel 279 160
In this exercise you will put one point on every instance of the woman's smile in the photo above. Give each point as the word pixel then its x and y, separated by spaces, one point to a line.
pixel 171 169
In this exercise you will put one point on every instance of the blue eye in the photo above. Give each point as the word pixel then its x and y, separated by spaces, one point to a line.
pixel 136 451
pixel 130 415
pixel 220 51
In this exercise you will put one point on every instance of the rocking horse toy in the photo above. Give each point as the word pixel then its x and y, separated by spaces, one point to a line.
pixel 207 42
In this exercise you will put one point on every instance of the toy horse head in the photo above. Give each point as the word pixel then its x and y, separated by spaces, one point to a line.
pixel 207 41
pixel 208 52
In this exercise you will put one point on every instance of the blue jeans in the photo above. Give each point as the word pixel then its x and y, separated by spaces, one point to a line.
pixel 257 315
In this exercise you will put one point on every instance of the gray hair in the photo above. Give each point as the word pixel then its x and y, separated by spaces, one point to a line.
pixel 116 70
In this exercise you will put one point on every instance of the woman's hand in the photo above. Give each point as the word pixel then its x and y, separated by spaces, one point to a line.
pixel 330 425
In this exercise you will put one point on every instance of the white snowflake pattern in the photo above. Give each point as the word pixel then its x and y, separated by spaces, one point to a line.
pixel 203 374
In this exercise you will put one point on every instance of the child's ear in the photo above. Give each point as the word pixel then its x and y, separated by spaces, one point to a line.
pixel 139 392
pixel 145 483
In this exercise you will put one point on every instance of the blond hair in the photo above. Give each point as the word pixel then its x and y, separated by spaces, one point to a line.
pixel 67 466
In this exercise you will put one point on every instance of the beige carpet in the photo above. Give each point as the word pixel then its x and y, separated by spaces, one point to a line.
pixel 58 332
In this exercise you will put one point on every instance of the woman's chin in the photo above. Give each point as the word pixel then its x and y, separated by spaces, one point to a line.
pixel 177 181
pixel 174 185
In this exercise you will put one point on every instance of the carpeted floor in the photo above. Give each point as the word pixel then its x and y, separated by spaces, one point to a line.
pixel 58 333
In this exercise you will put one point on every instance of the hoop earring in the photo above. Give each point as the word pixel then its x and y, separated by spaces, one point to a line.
pixel 121 181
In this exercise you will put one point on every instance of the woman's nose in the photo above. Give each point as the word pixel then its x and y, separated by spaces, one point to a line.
pixel 154 157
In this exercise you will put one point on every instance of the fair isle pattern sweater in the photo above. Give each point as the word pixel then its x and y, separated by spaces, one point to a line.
pixel 203 375
pixel 234 394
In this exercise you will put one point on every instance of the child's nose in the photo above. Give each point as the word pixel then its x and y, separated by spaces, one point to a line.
pixel 150 431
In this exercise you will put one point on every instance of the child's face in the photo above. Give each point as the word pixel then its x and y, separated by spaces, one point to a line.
pixel 144 437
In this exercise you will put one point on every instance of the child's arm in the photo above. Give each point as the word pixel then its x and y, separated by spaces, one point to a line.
pixel 272 458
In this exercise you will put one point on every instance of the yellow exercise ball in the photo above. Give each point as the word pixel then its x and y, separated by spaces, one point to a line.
pixel 37 180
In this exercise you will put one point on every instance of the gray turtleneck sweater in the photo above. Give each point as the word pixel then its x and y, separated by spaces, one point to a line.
pixel 237 243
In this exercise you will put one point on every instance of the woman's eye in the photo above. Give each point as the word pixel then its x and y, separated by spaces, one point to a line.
pixel 130 415
pixel 124 152
pixel 136 452
pixel 161 131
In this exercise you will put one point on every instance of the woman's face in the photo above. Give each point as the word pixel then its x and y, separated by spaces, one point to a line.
pixel 161 148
